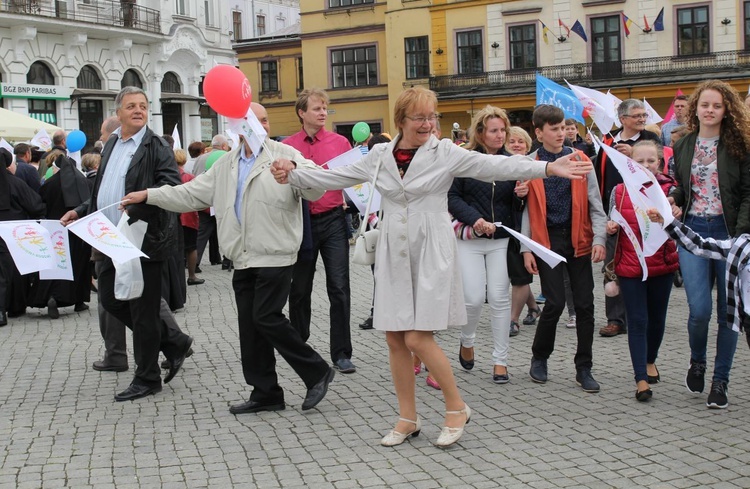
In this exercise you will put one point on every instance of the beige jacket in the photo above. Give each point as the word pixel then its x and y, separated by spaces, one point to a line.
pixel 271 229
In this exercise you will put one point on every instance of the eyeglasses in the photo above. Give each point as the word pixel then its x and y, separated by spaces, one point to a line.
pixel 637 116
pixel 422 120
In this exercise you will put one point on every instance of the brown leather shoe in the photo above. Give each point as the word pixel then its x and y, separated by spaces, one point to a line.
pixel 612 329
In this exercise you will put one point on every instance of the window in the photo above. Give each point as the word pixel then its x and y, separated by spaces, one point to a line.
pixel 692 31
pixel 260 21
pixel 237 25
pixel 44 110
pixel 522 41
pixel 300 76
pixel 269 76
pixel 347 3
pixel 354 67
pixel 417 56
pixel 747 25
pixel 89 78
pixel 170 83
pixel 469 47
pixel 180 7
pixel 606 53
pixel 131 79
pixel 207 9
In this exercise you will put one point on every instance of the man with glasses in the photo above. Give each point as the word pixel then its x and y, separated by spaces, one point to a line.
pixel 329 232
pixel 632 114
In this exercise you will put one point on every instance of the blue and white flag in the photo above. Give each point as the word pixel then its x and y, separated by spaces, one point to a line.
pixel 549 92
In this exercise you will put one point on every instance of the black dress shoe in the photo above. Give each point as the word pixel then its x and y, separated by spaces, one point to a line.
pixel 136 391
pixel 317 392
pixel 198 269
pixel 256 407
pixel 166 364
pixel 3 318
pixel 176 363
pixel 100 366
pixel 81 306
pixel 52 310
pixel 195 281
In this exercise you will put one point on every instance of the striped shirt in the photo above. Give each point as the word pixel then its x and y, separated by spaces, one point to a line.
pixel 112 188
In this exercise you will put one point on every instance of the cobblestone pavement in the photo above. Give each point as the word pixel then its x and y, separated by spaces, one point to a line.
pixel 60 427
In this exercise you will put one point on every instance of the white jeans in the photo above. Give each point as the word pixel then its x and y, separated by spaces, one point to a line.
pixel 484 269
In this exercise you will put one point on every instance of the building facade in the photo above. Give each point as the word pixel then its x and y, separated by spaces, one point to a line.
pixel 479 52
pixel 63 61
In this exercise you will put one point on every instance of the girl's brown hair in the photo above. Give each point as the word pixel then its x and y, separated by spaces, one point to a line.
pixel 735 127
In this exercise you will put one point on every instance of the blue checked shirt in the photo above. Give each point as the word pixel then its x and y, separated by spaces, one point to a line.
pixel 112 188
pixel 246 164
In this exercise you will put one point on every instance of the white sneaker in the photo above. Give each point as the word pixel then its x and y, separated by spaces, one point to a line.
pixel 571 322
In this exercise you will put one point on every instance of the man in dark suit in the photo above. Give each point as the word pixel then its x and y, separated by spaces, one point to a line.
pixel 135 160
pixel 24 170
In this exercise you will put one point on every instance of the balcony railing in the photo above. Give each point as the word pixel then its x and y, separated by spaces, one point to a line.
pixel 632 72
pixel 124 13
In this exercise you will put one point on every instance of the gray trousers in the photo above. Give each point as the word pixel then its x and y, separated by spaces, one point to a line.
pixel 113 330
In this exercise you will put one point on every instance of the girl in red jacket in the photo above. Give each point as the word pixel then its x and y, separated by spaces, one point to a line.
pixel 645 301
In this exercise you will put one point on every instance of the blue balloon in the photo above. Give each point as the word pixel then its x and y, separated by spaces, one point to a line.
pixel 75 141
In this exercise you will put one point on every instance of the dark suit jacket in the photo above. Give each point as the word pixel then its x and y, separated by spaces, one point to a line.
pixel 152 165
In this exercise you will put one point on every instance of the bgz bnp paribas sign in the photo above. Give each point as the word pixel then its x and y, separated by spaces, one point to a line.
pixel 47 92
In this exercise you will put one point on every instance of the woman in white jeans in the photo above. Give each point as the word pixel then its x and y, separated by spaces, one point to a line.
pixel 483 248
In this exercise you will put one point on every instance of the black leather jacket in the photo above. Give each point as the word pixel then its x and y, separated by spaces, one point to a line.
pixel 152 165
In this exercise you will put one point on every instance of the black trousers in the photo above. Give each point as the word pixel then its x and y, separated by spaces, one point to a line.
pixel 329 234
pixel 261 294
pixel 150 333
pixel 553 288
pixel 113 330
pixel 207 235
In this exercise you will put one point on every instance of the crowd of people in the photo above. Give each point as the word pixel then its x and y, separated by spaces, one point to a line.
pixel 441 255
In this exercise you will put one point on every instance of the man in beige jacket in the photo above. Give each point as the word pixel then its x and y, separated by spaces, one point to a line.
pixel 260 230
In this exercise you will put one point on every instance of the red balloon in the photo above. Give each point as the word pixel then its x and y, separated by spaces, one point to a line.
pixel 227 91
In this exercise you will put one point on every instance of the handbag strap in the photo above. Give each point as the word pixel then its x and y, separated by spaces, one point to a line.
pixel 363 224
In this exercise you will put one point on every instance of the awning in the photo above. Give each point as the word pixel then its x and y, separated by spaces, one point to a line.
pixel 44 117
pixel 180 98
pixel 91 93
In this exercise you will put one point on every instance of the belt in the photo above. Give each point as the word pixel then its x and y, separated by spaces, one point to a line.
pixel 327 213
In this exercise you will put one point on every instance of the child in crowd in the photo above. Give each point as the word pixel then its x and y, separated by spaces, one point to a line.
pixel 646 302
pixel 567 217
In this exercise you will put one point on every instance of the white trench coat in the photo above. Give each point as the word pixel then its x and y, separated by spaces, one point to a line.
pixel 418 280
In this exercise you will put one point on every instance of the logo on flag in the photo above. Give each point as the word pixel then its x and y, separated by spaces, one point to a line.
pixel 31 241
pixel 549 92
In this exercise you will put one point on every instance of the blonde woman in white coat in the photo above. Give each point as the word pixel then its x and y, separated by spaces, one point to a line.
pixel 416 252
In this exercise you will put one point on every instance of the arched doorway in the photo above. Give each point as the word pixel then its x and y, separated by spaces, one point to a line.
pixel 90 111
pixel 171 113
pixel 42 109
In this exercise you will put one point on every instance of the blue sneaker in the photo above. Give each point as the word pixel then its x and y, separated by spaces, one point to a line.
pixel 540 299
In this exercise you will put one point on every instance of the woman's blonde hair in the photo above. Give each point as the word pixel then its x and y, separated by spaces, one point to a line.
pixel 90 161
pixel 409 100
pixel 479 124
pixel 180 156
pixel 518 132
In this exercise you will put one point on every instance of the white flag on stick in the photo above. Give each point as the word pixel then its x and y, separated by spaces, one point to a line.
pixel 645 192
pixel 29 245
pixel 102 234
pixel 547 256
pixel 597 105
pixel 615 104
pixel 251 128
pixel 624 226
pixel 359 194
pixel 42 139
pixel 176 136
pixel 653 116
pixel 59 237
pixel 5 144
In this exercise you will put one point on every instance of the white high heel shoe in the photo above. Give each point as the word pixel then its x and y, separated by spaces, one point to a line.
pixel 395 438
pixel 449 436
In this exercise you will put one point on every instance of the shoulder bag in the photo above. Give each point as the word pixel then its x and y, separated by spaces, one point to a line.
pixel 366 241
